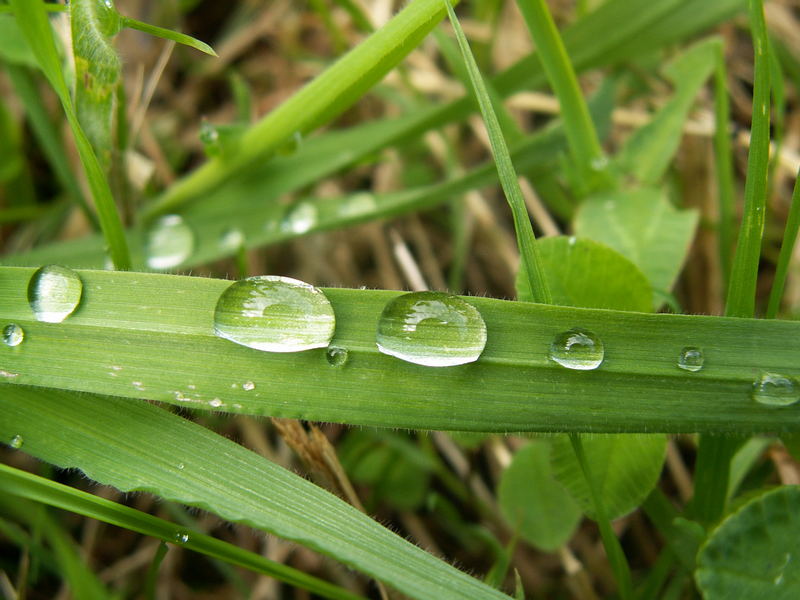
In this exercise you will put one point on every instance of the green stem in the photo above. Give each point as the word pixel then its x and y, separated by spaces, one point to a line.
pixel 723 159
pixel 787 249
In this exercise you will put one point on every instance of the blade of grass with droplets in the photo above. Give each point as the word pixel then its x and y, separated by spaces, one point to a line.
pixel 32 19
pixel 136 446
pixel 787 249
pixel 526 241
pixel 584 144
pixel 32 487
pixel 131 324
pixel 723 167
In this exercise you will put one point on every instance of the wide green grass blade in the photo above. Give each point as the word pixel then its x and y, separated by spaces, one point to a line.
pixel 32 487
pixel 140 322
pixel 32 19
pixel 787 248
pixel 136 446
pixel 742 288
pixel 526 241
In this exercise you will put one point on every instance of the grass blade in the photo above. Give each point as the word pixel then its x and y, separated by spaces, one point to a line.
pixel 723 161
pixel 32 19
pixel 787 248
pixel 513 387
pixel 32 487
pixel 122 444
pixel 526 241
pixel 168 34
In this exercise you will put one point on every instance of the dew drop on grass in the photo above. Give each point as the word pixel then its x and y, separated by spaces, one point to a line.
pixel 13 335
pixel 54 293
pixel 358 205
pixel 215 403
pixel 691 359
pixel 181 466
pixel 300 218
pixel 432 329
pixel 231 240
pixel 181 537
pixel 337 357
pixel 248 386
pixel 274 314
pixel 209 138
pixel 168 243
pixel 577 349
pixel 772 389
pixel 16 441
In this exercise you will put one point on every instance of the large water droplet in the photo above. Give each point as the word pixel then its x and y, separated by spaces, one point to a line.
pixel 432 329
pixel 577 349
pixel 16 441
pixel 275 314
pixel 13 334
pixel 773 389
pixel 248 386
pixel 169 242
pixel 691 359
pixel 300 218
pixel 336 356
pixel 54 293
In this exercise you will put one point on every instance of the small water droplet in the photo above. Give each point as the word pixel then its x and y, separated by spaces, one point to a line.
pixel 54 293
pixel 215 403
pixel 357 205
pixel 16 441
pixel 8 374
pixel 691 359
pixel 209 137
pixel 336 356
pixel 13 335
pixel 248 386
pixel 571 240
pixel 577 349
pixel 300 218
pixel 180 397
pixel 181 537
pixel 274 314
pixel 169 242
pixel 138 385
pixel 773 389
pixel 599 163
pixel 231 240
pixel 181 466
pixel 432 329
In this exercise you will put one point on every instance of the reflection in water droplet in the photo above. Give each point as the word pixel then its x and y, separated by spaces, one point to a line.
pixel 169 242
pixel 181 466
pixel 231 240
pixel 274 314
pixel 336 356
pixel 54 293
pixel 432 329
pixel 577 349
pixel 13 334
pixel 181 537
pixel 691 359
pixel 16 441
pixel 248 386
pixel 215 403
pixel 773 389
pixel 300 218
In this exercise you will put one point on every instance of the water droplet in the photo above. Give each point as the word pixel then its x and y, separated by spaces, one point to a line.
pixel 169 242
pixel 577 349
pixel 138 385
pixel 599 163
pixel 181 537
pixel 16 441
pixel 773 389
pixel 180 397
pixel 432 329
pixel 8 374
pixel 231 240
pixel 181 466
pixel 691 359
pixel 274 314
pixel 13 334
pixel 357 205
pixel 300 218
pixel 209 137
pixel 54 293
pixel 248 386
pixel 336 356
pixel 571 240
pixel 215 403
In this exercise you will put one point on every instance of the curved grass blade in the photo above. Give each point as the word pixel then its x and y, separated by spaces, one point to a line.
pixel 32 19
pixel 139 322
pixel 123 444
pixel 168 34
pixel 32 487
pixel 526 241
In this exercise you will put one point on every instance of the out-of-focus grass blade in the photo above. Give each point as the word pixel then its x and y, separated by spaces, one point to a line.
pixel 787 248
pixel 32 19
pixel 131 324
pixel 526 241
pixel 136 446
pixel 32 487
pixel 723 164
pixel 742 288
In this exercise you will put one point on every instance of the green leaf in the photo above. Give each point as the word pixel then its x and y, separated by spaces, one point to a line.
pixel 787 249
pixel 585 273
pixel 136 446
pixel 533 503
pixel 168 34
pixel 754 552
pixel 649 151
pixel 15 48
pixel 138 321
pixel 644 227
pixel 792 443
pixel 624 467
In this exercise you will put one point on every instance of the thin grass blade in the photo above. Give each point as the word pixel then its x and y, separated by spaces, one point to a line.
pixel 785 256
